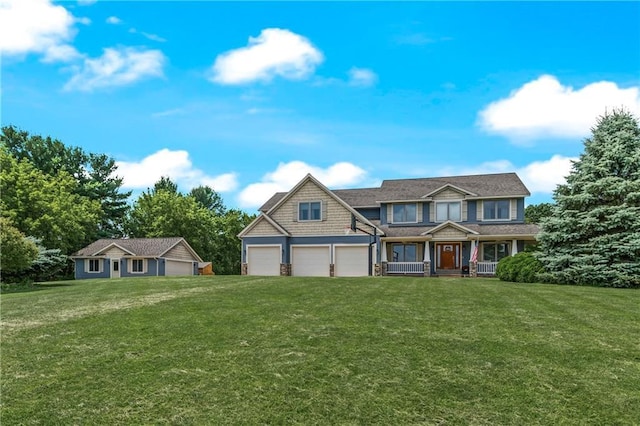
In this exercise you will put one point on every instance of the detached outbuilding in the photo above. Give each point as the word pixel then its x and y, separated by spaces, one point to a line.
pixel 134 257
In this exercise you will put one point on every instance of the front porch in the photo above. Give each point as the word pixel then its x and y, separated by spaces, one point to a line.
pixel 444 258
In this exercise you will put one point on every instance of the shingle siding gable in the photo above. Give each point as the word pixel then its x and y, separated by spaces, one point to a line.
pixel 336 219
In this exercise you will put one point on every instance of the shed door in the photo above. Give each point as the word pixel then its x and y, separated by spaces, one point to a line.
pixel 310 261
pixel 351 261
pixel 263 260
pixel 174 268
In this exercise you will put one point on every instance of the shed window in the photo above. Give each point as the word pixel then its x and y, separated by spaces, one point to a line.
pixel 137 265
pixel 94 265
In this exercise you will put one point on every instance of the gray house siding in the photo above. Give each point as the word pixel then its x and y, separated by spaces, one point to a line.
pixel 152 269
pixel 520 209
pixel 372 213
pixel 81 274
pixel 472 211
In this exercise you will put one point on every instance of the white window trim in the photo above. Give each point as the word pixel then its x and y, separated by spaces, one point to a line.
pixel 393 219
pixel 144 266
pixel 447 202
pixel 87 268
pixel 310 202
pixel 496 220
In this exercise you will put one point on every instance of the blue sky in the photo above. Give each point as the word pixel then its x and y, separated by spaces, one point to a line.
pixel 249 97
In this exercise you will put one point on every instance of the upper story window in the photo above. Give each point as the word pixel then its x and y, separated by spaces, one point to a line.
pixel 496 209
pixel 449 211
pixel 403 213
pixel 137 265
pixel 310 211
pixel 94 265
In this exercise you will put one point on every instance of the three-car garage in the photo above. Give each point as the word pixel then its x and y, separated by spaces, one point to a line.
pixel 349 260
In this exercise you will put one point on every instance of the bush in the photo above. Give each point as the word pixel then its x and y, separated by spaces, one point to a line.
pixel 521 268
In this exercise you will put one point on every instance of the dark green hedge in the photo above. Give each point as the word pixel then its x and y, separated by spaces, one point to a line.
pixel 521 268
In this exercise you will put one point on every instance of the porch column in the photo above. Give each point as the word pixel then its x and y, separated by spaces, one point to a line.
pixel 473 263
pixel 383 259
pixel 426 270
pixel 514 247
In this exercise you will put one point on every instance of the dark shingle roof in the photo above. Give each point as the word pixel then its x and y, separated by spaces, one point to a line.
pixel 138 246
pixel 487 185
pixel 481 229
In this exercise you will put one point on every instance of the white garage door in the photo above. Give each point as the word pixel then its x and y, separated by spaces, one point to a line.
pixel 263 260
pixel 173 268
pixel 351 261
pixel 310 261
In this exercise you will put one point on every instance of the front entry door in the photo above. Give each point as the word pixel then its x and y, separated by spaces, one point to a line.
pixel 448 256
pixel 115 268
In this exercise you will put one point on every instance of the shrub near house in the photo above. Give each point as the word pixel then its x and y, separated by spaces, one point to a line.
pixel 521 268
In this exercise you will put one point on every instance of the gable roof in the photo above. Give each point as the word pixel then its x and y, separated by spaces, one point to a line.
pixel 144 247
pixel 310 178
pixel 262 216
pixel 476 186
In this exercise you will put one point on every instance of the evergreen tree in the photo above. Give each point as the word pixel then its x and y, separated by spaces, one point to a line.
pixel 593 234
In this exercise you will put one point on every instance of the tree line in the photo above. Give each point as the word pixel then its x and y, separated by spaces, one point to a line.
pixel 56 199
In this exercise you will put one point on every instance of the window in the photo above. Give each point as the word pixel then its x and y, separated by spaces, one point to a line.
pixel 94 265
pixel 496 209
pixel 493 252
pixel 404 213
pixel 310 211
pixel 137 265
pixel 116 266
pixel 404 253
pixel 448 211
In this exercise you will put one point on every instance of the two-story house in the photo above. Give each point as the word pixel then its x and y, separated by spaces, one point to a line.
pixel 429 226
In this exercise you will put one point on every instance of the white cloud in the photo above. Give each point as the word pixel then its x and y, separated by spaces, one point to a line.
pixel 544 176
pixel 114 20
pixel 176 165
pixel 61 53
pixel 117 67
pixel 362 77
pixel 33 26
pixel 275 52
pixel 546 108
pixel 287 175
pixel 152 37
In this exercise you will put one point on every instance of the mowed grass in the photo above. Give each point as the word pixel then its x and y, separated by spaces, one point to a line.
pixel 251 350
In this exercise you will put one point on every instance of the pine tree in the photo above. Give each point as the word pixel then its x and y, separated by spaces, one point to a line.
pixel 593 234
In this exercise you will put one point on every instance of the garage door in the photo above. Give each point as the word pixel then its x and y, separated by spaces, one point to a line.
pixel 310 261
pixel 351 261
pixel 173 268
pixel 263 260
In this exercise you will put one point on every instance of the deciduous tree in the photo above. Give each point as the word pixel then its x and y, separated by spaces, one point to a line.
pixel 95 174
pixel 46 207
pixel 18 253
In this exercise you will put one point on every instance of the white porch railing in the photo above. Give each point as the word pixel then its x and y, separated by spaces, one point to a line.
pixel 405 267
pixel 487 268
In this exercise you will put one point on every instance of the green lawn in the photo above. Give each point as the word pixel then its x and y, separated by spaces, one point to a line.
pixel 251 350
